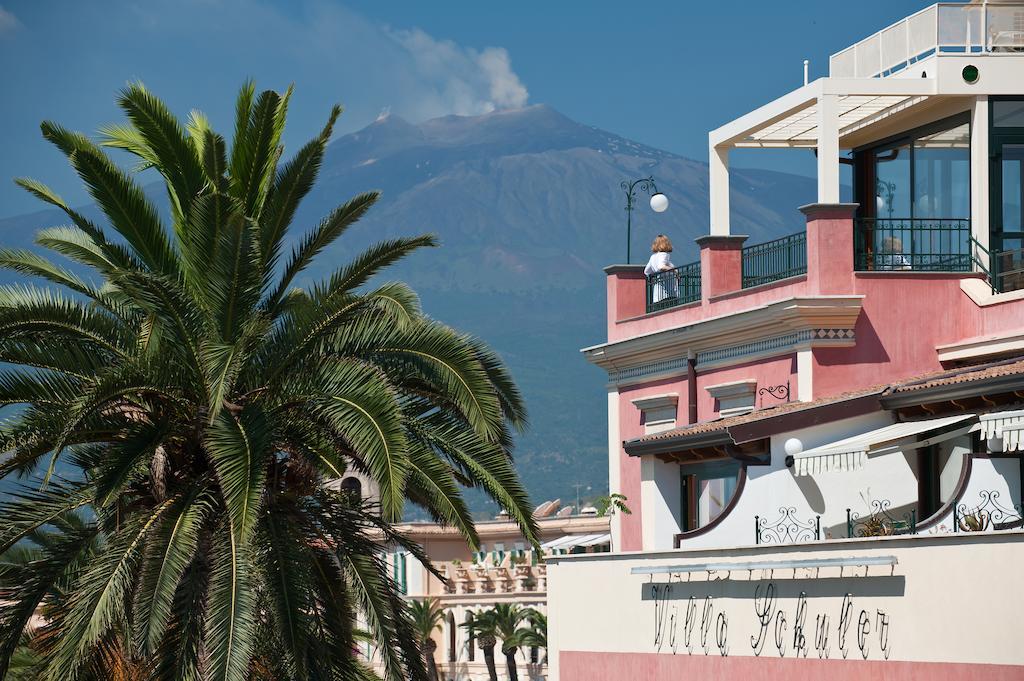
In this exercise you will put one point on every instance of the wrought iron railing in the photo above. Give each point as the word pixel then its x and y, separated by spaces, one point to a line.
pixel 787 528
pixel 988 514
pixel 775 260
pixel 880 522
pixel 912 244
pixel 673 287
pixel 1004 269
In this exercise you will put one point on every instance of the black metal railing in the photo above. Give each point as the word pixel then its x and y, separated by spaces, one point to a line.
pixel 775 260
pixel 787 528
pixel 988 514
pixel 880 522
pixel 1004 269
pixel 912 244
pixel 673 287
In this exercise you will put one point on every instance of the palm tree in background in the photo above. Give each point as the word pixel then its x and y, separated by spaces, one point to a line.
pixel 503 621
pixel 427 617
pixel 535 635
pixel 207 401
pixel 483 630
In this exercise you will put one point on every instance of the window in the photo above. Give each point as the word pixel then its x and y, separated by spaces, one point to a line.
pixel 925 174
pixel 470 642
pixel 400 578
pixel 707 490
pixel 352 488
pixel 1008 113
pixel 658 412
pixel 914 193
pixel 453 651
pixel 938 468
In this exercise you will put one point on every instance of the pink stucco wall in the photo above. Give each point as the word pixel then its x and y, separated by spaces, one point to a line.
pixel 590 666
pixel 631 427
pixel 905 315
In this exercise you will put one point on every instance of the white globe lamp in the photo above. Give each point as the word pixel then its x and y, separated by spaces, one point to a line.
pixel 659 203
pixel 793 446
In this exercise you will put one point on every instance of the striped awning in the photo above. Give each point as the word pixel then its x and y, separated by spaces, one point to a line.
pixel 852 453
pixel 1007 425
pixel 570 541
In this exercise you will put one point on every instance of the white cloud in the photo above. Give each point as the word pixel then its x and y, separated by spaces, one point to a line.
pixel 368 64
pixel 8 22
pixel 462 79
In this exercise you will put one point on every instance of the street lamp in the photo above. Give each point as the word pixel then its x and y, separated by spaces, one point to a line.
pixel 659 203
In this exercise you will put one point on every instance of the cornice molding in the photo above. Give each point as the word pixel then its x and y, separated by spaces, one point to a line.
pixel 656 402
pixel 771 329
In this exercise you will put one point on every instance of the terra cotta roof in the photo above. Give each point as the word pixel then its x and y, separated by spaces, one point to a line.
pixel 933 379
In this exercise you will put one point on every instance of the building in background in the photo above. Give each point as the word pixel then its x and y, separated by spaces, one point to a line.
pixel 505 569
pixel 824 431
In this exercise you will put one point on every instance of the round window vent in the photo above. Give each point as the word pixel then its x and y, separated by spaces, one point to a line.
pixel 970 73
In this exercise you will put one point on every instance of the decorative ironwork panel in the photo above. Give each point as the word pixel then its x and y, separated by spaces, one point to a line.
pixel 775 260
pixel 880 522
pixel 673 287
pixel 912 244
pixel 989 514
pixel 787 528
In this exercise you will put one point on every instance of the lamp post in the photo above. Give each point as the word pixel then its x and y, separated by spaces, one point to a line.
pixel 659 203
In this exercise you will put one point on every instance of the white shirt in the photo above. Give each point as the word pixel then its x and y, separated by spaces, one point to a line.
pixel 659 261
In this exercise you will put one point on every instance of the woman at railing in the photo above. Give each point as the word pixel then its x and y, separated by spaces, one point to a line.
pixel 660 261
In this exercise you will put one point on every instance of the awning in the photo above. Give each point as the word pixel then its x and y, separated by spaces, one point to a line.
pixel 852 453
pixel 1008 425
pixel 571 541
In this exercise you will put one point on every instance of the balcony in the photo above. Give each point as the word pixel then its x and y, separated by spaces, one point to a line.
pixel 775 260
pixel 944 28
pixel 912 244
pixel 1004 269
pixel 508 578
pixel 673 287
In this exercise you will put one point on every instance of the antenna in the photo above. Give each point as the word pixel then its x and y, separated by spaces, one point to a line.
pixel 807 63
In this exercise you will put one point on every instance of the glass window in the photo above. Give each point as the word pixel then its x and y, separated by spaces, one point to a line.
pixel 1013 188
pixel 707 490
pixel 892 182
pixel 1008 113
pixel 942 174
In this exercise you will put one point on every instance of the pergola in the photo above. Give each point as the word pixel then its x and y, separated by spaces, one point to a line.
pixel 817 115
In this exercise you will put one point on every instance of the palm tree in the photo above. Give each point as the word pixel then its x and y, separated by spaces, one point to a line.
pixel 427 617
pixel 483 629
pixel 535 635
pixel 502 621
pixel 205 400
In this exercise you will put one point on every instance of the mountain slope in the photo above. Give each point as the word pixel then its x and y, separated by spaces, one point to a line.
pixel 527 207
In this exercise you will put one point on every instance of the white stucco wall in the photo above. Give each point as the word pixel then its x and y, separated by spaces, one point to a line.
pixel 949 598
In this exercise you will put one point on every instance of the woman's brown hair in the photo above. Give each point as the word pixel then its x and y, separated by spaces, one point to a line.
pixel 661 245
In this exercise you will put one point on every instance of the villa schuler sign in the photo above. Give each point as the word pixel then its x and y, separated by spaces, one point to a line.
pixel 690 624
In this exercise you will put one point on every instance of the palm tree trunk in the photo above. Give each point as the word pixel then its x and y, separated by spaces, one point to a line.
pixel 492 671
pixel 428 656
pixel 510 662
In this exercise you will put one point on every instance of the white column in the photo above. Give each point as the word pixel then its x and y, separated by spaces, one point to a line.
pixel 614 462
pixel 804 375
pixel 718 180
pixel 828 149
pixel 979 170
pixel 660 501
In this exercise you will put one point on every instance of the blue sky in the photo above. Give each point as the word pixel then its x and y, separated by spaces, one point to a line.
pixel 662 73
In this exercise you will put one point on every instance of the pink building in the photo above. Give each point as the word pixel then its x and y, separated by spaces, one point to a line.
pixel 831 418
